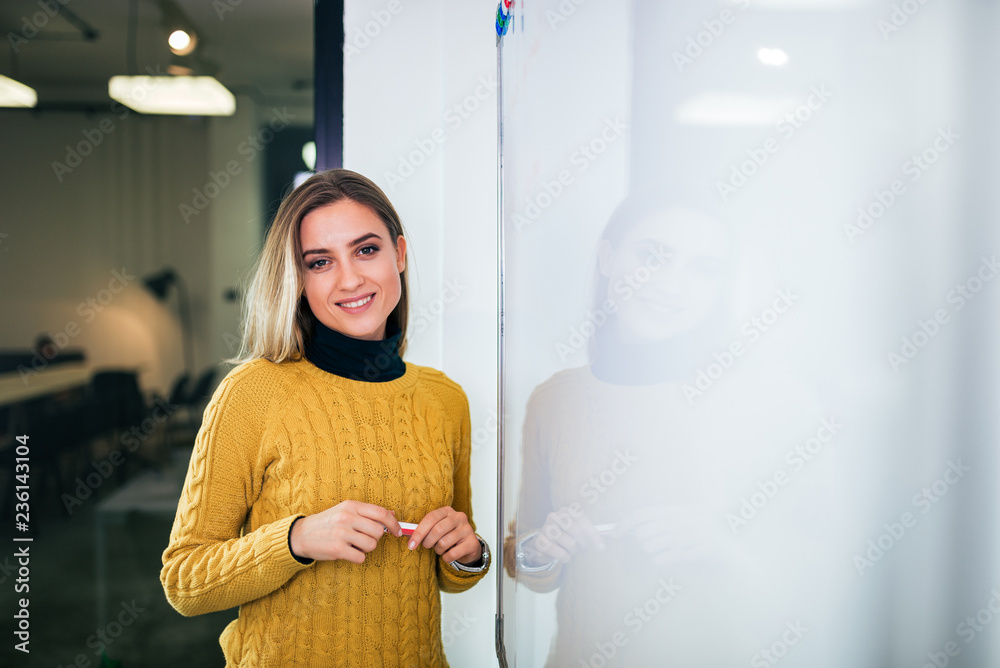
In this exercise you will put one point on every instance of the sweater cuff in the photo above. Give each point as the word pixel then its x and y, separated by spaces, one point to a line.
pixel 305 561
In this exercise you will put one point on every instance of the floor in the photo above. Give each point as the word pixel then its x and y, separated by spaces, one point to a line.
pixel 143 629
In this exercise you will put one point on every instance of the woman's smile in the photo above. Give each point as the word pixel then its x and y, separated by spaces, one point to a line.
pixel 358 305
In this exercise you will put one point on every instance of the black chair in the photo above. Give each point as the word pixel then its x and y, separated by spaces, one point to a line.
pixel 200 396
pixel 117 400
pixel 179 392
pixel 192 406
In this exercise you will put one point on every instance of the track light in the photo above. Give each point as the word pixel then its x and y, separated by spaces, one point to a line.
pixel 182 37
pixel 182 42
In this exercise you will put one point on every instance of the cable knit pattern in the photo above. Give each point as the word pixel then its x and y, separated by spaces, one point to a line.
pixel 281 441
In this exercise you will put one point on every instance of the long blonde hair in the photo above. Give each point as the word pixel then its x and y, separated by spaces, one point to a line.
pixel 277 320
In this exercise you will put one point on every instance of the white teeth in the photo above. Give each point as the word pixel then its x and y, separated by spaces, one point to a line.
pixel 358 303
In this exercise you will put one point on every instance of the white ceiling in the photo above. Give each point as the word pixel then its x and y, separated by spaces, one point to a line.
pixel 263 47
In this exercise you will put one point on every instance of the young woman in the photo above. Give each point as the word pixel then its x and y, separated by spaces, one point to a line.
pixel 628 469
pixel 317 446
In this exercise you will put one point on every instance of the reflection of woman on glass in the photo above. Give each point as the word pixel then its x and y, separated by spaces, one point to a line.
pixel 317 446
pixel 624 470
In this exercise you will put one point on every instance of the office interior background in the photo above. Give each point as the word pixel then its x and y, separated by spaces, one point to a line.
pixel 834 165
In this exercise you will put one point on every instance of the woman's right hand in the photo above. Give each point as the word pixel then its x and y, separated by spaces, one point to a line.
pixel 565 532
pixel 348 531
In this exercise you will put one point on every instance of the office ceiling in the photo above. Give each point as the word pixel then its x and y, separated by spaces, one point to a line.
pixel 262 48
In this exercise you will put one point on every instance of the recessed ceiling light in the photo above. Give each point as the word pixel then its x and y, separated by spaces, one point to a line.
pixel 189 96
pixel 16 94
pixel 775 57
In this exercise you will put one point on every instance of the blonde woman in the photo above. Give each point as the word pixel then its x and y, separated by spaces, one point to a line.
pixel 316 447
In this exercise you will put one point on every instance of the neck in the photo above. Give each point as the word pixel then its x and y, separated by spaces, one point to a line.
pixel 357 359
pixel 619 362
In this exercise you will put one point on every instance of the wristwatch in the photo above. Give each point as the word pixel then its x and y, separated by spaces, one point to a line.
pixel 521 557
pixel 484 560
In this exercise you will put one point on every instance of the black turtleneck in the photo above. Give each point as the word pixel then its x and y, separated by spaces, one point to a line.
pixel 670 360
pixel 357 359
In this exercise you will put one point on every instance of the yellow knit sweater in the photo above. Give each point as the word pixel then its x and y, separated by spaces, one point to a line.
pixel 281 441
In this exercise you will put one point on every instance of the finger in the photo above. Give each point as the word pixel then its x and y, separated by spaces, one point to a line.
pixel 368 527
pixel 363 541
pixel 567 542
pixel 587 534
pixel 353 555
pixel 425 525
pixel 452 538
pixel 465 547
pixel 557 538
pixel 381 515
pixel 453 521
pixel 547 548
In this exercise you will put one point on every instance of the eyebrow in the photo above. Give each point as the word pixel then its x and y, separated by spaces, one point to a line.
pixel 356 242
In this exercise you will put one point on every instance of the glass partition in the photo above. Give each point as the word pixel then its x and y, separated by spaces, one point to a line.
pixel 749 321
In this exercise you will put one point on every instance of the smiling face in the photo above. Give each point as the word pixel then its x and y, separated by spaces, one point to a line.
pixel 350 268
pixel 666 275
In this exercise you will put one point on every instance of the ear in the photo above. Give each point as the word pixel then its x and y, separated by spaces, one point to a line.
pixel 400 253
pixel 604 253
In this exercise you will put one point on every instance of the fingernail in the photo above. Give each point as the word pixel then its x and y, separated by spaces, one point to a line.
pixel 413 544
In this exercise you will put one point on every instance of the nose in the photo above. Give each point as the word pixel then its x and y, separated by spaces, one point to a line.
pixel 349 278
pixel 670 280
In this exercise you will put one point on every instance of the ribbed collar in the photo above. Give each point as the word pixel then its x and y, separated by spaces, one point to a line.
pixel 357 359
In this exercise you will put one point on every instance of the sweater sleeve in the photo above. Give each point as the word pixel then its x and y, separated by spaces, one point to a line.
pixel 210 564
pixel 450 579
pixel 534 499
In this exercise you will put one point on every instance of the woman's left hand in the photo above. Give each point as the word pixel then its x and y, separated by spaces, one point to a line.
pixel 448 531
